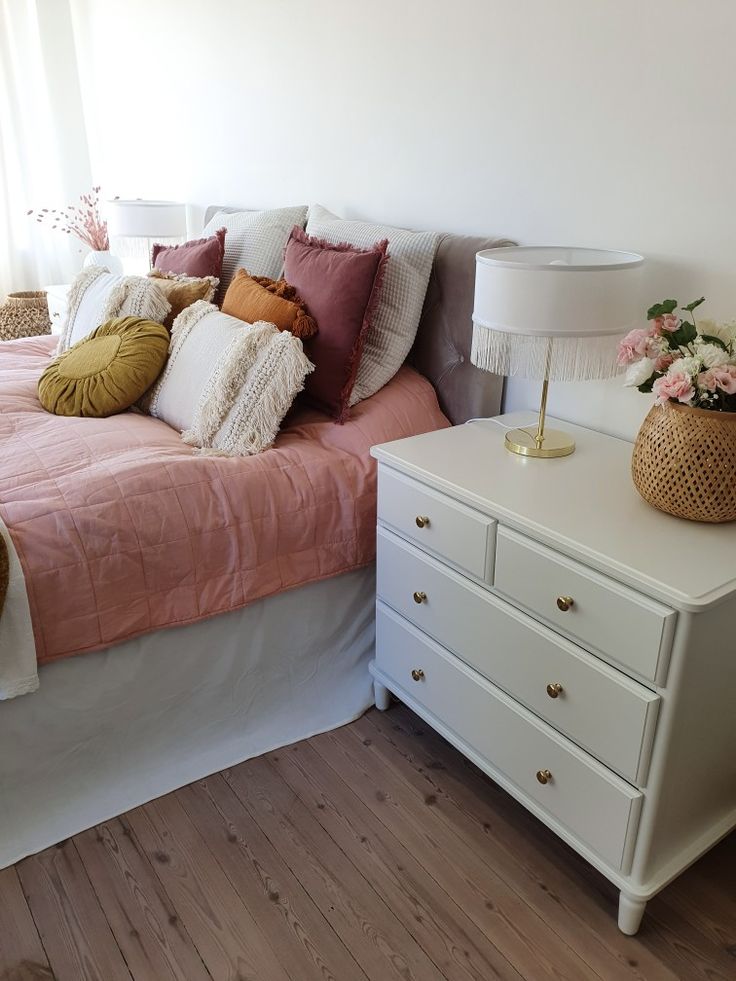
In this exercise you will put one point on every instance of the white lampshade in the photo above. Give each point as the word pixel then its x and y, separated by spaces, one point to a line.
pixel 552 311
pixel 146 219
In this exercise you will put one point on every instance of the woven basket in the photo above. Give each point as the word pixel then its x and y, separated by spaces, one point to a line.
pixel 24 315
pixel 685 462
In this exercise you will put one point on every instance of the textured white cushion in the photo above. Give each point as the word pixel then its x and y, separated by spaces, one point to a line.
pixel 97 295
pixel 227 385
pixel 395 322
pixel 255 241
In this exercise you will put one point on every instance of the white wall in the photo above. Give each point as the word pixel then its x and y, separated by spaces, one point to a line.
pixel 594 122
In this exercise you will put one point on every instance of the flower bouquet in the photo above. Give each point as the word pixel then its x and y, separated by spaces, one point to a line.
pixel 682 360
pixel 82 220
pixel 684 458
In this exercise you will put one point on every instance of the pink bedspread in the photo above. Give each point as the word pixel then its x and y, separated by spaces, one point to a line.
pixel 122 529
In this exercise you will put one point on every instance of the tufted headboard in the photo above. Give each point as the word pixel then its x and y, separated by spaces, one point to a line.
pixel 441 351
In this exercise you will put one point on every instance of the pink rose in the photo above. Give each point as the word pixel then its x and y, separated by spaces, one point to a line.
pixel 670 323
pixel 633 346
pixel 715 378
pixel 662 363
pixel 677 386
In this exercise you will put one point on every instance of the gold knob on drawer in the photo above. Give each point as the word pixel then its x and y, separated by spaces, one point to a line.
pixel 417 674
pixel 564 603
pixel 422 520
pixel 554 689
pixel 544 776
pixel 420 597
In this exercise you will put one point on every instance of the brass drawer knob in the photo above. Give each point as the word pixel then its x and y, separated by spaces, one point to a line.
pixel 554 689
pixel 420 597
pixel 564 603
pixel 422 521
pixel 544 776
pixel 417 674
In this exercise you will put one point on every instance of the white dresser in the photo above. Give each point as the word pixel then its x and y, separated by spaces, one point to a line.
pixel 576 644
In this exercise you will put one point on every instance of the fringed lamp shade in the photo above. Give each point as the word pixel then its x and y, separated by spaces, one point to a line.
pixel 146 219
pixel 135 224
pixel 552 312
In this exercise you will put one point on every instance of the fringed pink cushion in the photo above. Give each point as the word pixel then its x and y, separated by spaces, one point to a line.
pixel 200 257
pixel 340 286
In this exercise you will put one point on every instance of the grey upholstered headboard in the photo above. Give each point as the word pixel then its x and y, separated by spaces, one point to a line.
pixel 441 351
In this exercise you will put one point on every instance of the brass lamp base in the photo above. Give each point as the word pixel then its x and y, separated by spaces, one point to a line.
pixel 537 441
pixel 526 442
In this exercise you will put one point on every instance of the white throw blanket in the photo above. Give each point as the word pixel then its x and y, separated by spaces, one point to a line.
pixel 18 666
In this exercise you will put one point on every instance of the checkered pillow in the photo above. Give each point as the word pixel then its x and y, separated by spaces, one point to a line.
pixel 255 241
pixel 395 322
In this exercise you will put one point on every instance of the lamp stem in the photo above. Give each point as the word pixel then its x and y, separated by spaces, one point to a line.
pixel 539 438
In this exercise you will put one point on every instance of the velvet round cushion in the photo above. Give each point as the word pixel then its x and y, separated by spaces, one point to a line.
pixel 107 371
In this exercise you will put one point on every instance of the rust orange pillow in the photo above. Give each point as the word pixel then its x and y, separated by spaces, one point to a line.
pixel 254 298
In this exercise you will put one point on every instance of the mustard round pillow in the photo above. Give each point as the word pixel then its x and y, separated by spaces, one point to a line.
pixel 107 371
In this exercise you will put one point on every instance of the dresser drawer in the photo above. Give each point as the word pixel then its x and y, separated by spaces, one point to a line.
pixel 600 708
pixel 604 616
pixel 456 533
pixel 580 794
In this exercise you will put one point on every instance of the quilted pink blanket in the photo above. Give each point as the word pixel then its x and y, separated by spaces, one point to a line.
pixel 121 529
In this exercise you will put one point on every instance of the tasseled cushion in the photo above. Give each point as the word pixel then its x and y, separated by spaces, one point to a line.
pixel 254 298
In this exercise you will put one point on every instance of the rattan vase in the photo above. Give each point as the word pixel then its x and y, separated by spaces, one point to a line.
pixel 24 315
pixel 685 462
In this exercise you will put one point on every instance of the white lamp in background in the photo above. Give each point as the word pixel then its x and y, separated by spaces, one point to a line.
pixel 552 313
pixel 149 220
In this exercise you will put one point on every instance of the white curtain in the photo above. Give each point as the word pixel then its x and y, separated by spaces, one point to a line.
pixel 44 160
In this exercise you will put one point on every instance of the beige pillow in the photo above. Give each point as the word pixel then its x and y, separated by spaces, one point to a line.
pixel 182 291
pixel 255 241
pixel 227 384
pixel 97 295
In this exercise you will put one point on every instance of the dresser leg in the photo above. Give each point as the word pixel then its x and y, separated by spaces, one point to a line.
pixel 381 695
pixel 630 913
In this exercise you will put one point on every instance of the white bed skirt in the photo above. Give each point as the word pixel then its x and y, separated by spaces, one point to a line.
pixel 111 730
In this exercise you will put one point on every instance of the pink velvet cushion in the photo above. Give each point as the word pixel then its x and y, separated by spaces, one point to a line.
pixel 200 257
pixel 340 286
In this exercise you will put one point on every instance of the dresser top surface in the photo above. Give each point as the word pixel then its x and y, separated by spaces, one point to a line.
pixel 585 505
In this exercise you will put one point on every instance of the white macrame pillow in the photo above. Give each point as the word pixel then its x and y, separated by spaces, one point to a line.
pixel 255 241
pixel 97 296
pixel 228 385
pixel 395 321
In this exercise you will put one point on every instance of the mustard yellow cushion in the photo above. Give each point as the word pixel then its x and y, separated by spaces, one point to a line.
pixel 107 371
pixel 182 291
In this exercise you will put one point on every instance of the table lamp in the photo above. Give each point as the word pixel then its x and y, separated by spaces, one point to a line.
pixel 552 313
pixel 148 220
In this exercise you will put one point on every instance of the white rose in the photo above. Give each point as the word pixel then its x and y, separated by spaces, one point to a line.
pixel 685 366
pixel 658 346
pixel 712 356
pixel 639 372
pixel 724 332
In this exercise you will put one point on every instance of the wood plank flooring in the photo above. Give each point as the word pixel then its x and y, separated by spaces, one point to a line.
pixel 372 853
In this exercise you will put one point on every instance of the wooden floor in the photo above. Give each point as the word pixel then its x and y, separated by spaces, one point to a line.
pixel 372 852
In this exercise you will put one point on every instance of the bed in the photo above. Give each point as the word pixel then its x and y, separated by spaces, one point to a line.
pixel 146 697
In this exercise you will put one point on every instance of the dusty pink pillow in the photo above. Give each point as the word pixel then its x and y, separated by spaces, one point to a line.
pixel 200 257
pixel 340 286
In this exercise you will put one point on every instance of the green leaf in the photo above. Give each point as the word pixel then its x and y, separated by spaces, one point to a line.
pixel 692 306
pixel 710 339
pixel 660 309
pixel 684 335
pixel 646 386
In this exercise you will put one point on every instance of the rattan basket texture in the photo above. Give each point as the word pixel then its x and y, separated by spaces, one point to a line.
pixel 685 462
pixel 24 315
